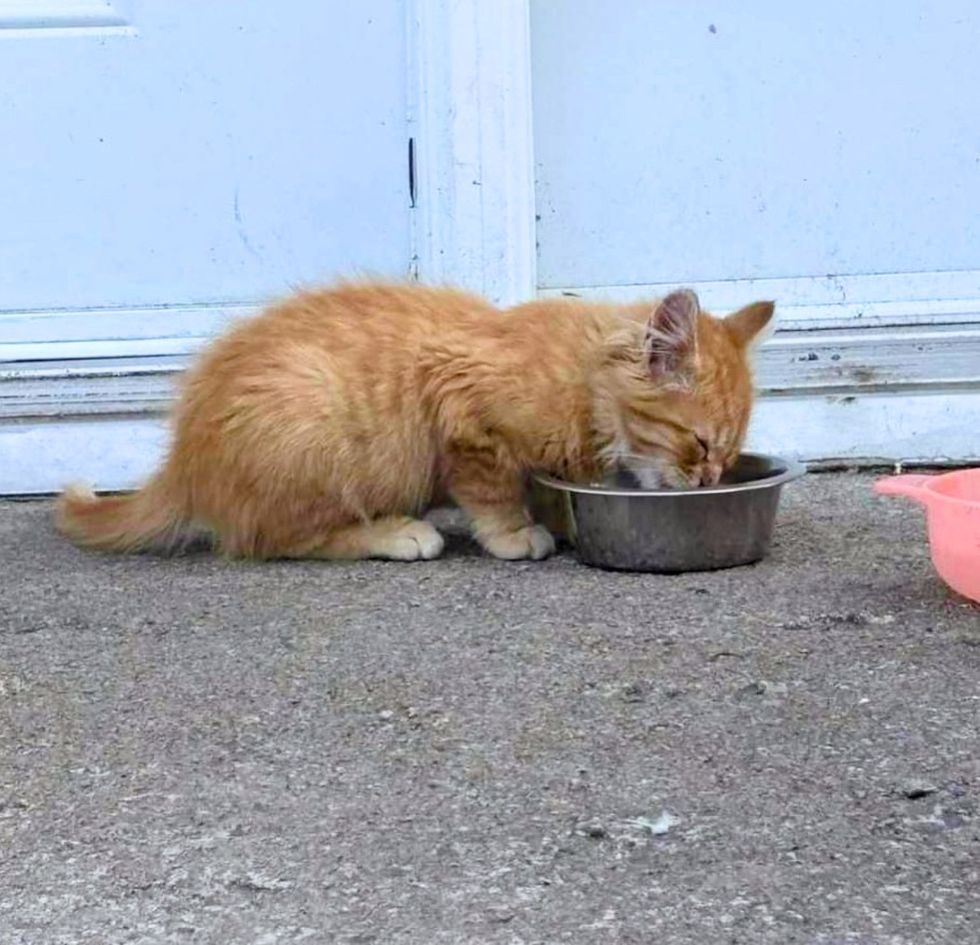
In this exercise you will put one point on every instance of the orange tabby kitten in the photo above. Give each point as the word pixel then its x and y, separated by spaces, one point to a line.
pixel 327 425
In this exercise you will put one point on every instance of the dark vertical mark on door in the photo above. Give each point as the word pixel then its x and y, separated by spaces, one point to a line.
pixel 411 171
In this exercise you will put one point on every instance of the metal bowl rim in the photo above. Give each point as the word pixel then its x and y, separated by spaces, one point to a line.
pixel 793 470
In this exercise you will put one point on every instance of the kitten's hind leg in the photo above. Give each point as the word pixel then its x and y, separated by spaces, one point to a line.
pixel 395 537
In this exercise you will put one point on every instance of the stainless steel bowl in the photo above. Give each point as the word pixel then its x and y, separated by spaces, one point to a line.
pixel 618 524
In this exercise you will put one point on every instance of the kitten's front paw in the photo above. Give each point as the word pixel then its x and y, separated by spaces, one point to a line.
pixel 532 541
pixel 414 541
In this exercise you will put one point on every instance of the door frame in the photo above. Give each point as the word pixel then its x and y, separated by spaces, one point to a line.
pixel 472 119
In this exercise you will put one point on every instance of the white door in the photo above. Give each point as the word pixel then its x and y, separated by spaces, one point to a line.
pixel 166 165
pixel 826 155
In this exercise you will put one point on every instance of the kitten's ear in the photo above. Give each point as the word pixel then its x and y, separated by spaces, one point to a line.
pixel 671 336
pixel 751 325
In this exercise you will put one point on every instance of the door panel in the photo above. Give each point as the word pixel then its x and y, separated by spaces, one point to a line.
pixel 181 152
pixel 688 142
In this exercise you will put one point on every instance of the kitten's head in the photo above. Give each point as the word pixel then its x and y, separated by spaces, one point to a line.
pixel 684 394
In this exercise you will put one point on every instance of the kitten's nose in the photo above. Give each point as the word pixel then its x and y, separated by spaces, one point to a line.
pixel 710 474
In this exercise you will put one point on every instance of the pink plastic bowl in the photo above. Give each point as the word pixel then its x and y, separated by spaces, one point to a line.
pixel 952 503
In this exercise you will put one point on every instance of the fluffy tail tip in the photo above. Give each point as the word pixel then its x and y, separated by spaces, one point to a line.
pixel 75 497
pixel 78 492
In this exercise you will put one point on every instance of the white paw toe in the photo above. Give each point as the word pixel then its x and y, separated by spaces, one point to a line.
pixel 532 541
pixel 541 541
pixel 413 542
pixel 428 541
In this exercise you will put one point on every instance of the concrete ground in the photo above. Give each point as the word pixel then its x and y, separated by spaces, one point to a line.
pixel 469 751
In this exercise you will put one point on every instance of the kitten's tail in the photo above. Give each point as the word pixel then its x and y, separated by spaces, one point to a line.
pixel 140 521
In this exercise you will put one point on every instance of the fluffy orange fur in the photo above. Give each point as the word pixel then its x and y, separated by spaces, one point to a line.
pixel 327 425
